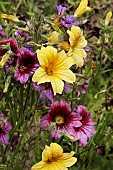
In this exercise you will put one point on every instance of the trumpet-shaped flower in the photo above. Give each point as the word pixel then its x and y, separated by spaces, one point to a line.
pixel 53 158
pixel 82 8
pixel 9 17
pixel 54 68
pixel 86 130
pixel 27 63
pixel 65 120
pixel 77 44
pixel 108 18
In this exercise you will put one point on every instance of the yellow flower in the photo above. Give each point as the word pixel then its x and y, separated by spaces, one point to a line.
pixel 4 60
pixel 77 44
pixel 54 36
pixel 108 18
pixel 53 158
pixel 9 17
pixel 82 8
pixel 54 67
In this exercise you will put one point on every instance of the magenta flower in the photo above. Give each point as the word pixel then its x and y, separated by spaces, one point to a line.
pixel 86 130
pixel 68 21
pixel 27 63
pixel 5 127
pixel 13 46
pixel 65 120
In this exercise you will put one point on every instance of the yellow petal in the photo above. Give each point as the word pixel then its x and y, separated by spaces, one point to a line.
pixel 39 166
pixel 108 18
pixel 54 36
pixel 56 149
pixel 76 38
pixel 47 153
pixel 46 55
pixel 57 85
pixel 78 56
pixel 40 76
pixel 66 75
pixel 64 46
pixel 9 17
pixel 4 60
pixel 82 8
pixel 69 161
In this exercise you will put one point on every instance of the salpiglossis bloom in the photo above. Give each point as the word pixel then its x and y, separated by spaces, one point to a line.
pixel 60 113
pixel 75 47
pixel 82 8
pixel 54 68
pixel 53 158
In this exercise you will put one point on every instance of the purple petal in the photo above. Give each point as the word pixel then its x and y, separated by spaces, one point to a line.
pixel 3 138
pixel 60 9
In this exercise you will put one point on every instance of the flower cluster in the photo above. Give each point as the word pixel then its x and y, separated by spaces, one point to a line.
pixel 49 67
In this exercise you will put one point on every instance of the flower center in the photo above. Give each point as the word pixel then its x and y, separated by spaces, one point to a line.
pixel 59 119
pixel 52 160
pixel 48 70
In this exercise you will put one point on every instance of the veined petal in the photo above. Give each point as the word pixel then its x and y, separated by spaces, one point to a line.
pixel 46 55
pixel 69 162
pixel 66 75
pixel 40 76
pixel 39 166
pixel 57 84
pixel 76 39
pixel 78 56
pixel 56 149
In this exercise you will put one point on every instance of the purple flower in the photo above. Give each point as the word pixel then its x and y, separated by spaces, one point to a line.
pixel 2 33
pixel 60 9
pixel 86 130
pixel 5 127
pixel 47 92
pixel 27 63
pixel 23 35
pixel 81 88
pixel 60 113
pixel 68 21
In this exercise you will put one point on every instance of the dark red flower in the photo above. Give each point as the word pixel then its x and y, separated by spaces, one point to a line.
pixel 65 120
pixel 27 63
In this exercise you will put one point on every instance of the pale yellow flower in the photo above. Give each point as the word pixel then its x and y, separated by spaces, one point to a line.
pixel 9 17
pixel 54 36
pixel 4 60
pixel 82 8
pixel 108 18
pixel 54 67
pixel 53 158
pixel 77 44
